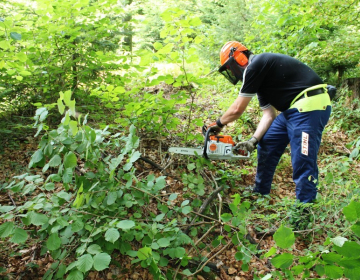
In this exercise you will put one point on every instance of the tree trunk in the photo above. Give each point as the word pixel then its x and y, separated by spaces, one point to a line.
pixel 353 84
pixel 128 32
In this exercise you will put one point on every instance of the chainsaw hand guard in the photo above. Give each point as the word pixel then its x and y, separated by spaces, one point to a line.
pixel 213 128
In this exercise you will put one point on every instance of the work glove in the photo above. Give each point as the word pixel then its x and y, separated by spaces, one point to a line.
pixel 214 127
pixel 246 147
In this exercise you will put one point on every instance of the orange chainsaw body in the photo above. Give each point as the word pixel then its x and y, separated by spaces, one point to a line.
pixel 223 139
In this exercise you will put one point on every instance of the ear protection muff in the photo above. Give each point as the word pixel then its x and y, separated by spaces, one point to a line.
pixel 239 57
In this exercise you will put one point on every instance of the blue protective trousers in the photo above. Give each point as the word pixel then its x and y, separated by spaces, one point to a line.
pixel 303 131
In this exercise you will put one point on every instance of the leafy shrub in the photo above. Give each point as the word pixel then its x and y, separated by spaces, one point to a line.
pixel 89 201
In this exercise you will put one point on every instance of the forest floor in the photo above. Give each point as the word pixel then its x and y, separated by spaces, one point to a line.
pixel 24 262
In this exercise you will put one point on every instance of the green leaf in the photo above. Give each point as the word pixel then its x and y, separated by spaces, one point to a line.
pixel 320 269
pixel 53 242
pixel 5 45
pixel 186 210
pixel 20 236
pixel 352 211
pixel 111 198
pixel 37 156
pixel 354 153
pixel 68 175
pixel 173 196
pixel 16 36
pixel 144 253
pixel 135 156
pixel 75 275
pixel 226 217
pixel 356 229
pixel 6 229
pixel 352 273
pixel 64 195
pixel 333 272
pixel 163 261
pixel 239 256
pixel 157 46
pixel 270 253
pixel 331 258
pixel 101 261
pixel 49 186
pixel 206 269
pixel 111 235
pixel 125 224
pixel 61 271
pixel 55 161
pixel 284 237
pixel 74 127
pixel 350 264
pixel 27 73
pixel 185 202
pixel 37 219
pixel 191 166
pixel 5 209
pixel 195 21
pixel 298 269
pixel 339 240
pixel 94 249
pixel 179 252
pixel 85 263
pixel 159 217
pixel 164 242
pixel 282 261
pixel 70 160
pixel 160 183
pixel 61 106
pixel 350 249
pixel 166 49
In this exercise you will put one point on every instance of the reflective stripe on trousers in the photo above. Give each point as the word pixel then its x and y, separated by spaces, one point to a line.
pixel 303 131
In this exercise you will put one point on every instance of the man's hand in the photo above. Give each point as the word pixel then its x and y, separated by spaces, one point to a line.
pixel 214 127
pixel 246 147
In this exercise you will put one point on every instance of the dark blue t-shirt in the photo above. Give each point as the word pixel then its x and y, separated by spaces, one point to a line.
pixel 277 79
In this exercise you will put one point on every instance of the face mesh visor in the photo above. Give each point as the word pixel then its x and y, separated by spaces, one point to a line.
pixel 232 71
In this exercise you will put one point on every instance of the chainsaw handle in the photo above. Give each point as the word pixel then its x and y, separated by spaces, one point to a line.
pixel 207 137
pixel 205 129
pixel 206 132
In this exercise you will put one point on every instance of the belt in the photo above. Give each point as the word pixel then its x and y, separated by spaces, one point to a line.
pixel 312 93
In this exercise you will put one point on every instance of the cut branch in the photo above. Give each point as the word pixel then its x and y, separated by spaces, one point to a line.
pixel 203 207
pixel 212 257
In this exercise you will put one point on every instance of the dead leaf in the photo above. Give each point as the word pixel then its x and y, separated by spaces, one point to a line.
pixel 231 270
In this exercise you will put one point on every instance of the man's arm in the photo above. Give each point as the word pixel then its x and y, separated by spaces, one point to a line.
pixel 235 110
pixel 268 117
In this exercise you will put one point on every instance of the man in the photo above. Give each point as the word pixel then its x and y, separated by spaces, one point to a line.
pixel 291 87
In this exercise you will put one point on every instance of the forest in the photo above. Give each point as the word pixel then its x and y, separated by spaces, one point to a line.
pixel 93 93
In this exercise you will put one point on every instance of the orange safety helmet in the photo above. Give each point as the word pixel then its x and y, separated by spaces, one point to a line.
pixel 233 61
pixel 234 49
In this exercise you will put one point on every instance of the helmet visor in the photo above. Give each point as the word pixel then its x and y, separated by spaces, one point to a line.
pixel 232 71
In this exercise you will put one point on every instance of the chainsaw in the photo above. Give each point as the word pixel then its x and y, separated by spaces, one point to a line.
pixel 215 147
